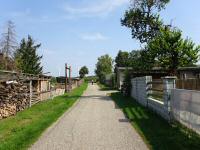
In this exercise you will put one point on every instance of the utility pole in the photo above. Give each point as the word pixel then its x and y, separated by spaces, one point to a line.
pixel 68 82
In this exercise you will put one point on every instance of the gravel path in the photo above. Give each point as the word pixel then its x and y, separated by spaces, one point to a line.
pixel 94 123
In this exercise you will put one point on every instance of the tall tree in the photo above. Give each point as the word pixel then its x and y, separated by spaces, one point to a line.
pixel 104 66
pixel 143 18
pixel 27 59
pixel 8 45
pixel 172 51
pixel 122 59
pixel 8 41
pixel 83 71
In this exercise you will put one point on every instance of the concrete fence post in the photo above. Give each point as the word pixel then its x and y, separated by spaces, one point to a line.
pixel 169 83
pixel 148 87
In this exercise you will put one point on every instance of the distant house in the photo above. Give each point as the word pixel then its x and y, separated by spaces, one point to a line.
pixel 189 72
pixel 156 73
pixel 109 79
pixel 75 81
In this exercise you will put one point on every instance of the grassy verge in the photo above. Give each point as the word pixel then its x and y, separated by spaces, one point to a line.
pixel 156 132
pixel 20 131
pixel 104 87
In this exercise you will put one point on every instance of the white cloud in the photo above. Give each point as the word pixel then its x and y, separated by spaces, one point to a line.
pixel 100 8
pixel 93 37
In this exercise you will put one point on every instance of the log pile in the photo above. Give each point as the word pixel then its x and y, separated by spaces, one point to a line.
pixel 14 97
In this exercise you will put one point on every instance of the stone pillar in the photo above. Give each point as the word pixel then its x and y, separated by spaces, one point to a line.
pixel 169 83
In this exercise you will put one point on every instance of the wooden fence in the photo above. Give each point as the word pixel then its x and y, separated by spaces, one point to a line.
pixel 189 84
pixel 36 97
pixel 156 90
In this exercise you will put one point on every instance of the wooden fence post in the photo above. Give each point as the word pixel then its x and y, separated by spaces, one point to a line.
pixel 31 93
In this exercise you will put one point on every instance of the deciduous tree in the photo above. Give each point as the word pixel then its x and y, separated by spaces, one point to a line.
pixel 83 71
pixel 122 59
pixel 172 51
pixel 104 66
pixel 143 18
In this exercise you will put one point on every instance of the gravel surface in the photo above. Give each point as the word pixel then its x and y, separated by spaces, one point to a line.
pixel 94 123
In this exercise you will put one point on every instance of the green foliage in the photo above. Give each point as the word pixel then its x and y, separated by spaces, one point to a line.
pixel 165 46
pixel 143 18
pixel 122 59
pixel 157 133
pixel 126 87
pixel 26 57
pixel 104 87
pixel 53 81
pixel 114 81
pixel 171 51
pixel 139 61
pixel 104 66
pixel 90 78
pixel 21 131
pixel 83 71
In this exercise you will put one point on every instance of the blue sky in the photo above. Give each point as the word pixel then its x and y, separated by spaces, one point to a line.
pixel 79 31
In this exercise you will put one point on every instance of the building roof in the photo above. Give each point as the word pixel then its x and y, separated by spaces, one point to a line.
pixel 124 68
pixel 194 68
pixel 12 75
pixel 159 69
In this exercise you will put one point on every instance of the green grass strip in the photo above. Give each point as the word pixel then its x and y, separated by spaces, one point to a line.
pixel 104 87
pixel 156 132
pixel 20 131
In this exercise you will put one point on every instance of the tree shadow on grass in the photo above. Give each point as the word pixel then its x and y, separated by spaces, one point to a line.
pixel 157 133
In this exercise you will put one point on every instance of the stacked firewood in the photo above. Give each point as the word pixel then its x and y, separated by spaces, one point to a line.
pixel 14 97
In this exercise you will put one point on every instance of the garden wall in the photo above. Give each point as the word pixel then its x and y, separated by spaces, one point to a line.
pixel 142 88
pixel 177 104
pixel 185 108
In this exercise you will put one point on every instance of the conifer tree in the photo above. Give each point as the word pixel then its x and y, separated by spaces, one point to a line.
pixel 26 57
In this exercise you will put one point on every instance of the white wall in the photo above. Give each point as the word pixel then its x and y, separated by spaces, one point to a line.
pixel 139 89
pixel 185 107
pixel 139 92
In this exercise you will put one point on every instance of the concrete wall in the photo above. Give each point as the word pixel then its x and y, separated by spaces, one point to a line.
pixel 177 104
pixel 158 107
pixel 140 91
pixel 185 108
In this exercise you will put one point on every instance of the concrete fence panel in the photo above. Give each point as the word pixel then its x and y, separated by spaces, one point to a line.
pixel 185 108
pixel 140 89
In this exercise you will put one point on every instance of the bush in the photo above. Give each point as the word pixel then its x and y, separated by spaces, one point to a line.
pixel 126 87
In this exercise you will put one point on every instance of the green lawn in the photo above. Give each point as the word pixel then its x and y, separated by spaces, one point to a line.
pixel 156 132
pixel 104 87
pixel 20 131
